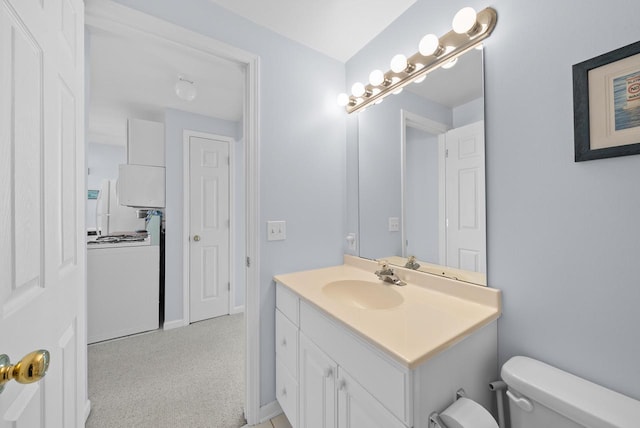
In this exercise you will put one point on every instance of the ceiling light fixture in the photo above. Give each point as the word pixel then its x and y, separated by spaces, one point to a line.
pixel 469 30
pixel 185 89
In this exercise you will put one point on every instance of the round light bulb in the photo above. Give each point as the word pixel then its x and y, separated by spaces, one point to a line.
pixel 185 89
pixel 450 64
pixel 397 91
pixel 343 99
pixel 357 89
pixel 429 45
pixel 398 63
pixel 376 78
pixel 420 79
pixel 465 20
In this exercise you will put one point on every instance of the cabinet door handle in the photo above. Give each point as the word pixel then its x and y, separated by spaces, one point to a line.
pixel 342 385
pixel 284 392
pixel 284 342
pixel 328 372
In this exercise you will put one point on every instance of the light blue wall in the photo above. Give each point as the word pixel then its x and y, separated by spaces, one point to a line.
pixel 379 163
pixel 302 150
pixel 468 113
pixel 176 121
pixel 422 219
pixel 563 238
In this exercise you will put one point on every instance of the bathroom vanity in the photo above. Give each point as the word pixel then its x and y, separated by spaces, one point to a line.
pixel 352 351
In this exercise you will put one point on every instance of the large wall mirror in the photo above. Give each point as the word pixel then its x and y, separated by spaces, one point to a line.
pixel 422 174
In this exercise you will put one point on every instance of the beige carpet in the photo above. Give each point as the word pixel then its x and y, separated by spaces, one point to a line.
pixel 190 377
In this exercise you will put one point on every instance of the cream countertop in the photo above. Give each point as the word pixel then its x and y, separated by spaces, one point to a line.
pixel 436 312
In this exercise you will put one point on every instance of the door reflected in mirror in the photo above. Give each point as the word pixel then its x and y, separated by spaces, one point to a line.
pixel 421 165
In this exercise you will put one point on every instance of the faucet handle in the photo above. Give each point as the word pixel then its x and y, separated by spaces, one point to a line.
pixel 384 264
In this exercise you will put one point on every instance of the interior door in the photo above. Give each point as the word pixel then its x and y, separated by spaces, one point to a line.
pixel 465 198
pixel 209 227
pixel 42 195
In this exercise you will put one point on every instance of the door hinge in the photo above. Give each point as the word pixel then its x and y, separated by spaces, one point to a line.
pixel 248 262
pixel 446 153
pixel 228 286
pixel 228 160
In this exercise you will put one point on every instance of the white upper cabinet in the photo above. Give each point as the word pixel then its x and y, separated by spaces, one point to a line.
pixel 145 142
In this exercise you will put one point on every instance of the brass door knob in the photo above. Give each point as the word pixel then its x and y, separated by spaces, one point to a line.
pixel 196 238
pixel 31 368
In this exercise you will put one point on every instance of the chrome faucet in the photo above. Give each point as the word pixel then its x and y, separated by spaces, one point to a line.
pixel 386 274
pixel 412 263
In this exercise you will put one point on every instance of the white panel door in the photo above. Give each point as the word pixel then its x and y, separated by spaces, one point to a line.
pixel 465 198
pixel 317 387
pixel 42 195
pixel 209 228
pixel 358 409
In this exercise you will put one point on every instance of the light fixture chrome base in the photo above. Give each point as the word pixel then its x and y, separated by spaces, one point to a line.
pixel 455 44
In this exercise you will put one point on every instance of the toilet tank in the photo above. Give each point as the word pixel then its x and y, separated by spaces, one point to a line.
pixel 543 396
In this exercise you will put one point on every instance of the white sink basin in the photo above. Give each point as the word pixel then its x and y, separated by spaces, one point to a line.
pixel 363 294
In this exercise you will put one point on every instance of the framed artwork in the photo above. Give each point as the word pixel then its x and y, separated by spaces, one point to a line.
pixel 606 104
pixel 92 194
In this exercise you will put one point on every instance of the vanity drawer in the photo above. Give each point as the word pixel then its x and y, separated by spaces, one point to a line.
pixel 287 302
pixel 287 393
pixel 386 380
pixel 287 343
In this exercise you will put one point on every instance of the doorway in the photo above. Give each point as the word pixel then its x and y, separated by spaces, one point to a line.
pixel 109 17
pixel 443 192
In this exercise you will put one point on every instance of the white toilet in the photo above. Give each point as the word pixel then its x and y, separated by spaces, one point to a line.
pixel 541 396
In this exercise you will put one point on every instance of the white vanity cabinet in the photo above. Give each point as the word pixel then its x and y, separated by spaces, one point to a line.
pixel 318 372
pixel 287 333
pixel 336 378
pixel 328 396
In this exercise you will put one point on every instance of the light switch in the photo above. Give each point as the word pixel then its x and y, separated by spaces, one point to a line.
pixel 394 224
pixel 276 230
pixel 351 242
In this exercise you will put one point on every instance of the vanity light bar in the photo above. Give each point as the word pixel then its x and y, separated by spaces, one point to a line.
pixel 449 47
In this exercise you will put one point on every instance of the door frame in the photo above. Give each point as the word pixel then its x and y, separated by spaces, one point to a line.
pixel 186 218
pixel 115 18
pixel 413 120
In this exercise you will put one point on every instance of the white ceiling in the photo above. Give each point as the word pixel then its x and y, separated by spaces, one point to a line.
pixel 337 28
pixel 136 78
pixel 454 86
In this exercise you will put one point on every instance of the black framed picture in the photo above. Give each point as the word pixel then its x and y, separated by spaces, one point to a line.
pixel 606 104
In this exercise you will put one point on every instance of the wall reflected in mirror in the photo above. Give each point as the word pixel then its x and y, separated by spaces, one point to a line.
pixel 421 174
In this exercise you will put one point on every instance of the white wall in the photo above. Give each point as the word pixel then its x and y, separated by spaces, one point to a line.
pixel 563 238
pixel 302 150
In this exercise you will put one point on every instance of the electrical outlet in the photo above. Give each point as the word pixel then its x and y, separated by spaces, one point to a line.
pixel 276 230
pixel 394 224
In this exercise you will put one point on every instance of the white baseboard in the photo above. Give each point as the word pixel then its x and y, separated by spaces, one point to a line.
pixel 237 310
pixel 170 325
pixel 269 411
pixel 87 410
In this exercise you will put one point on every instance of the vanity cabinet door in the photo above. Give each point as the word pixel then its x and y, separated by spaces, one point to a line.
pixel 359 409
pixel 317 387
